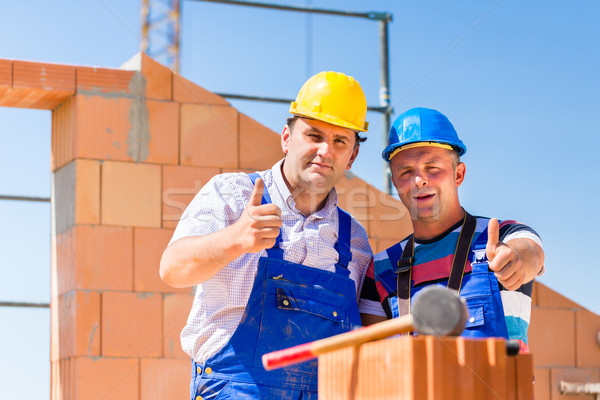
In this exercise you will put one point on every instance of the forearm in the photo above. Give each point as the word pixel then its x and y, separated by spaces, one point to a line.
pixel 193 260
pixel 531 256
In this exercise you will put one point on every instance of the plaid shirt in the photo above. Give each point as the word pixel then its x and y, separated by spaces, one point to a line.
pixel 220 302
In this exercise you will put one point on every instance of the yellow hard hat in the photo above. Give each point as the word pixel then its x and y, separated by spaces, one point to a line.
pixel 334 98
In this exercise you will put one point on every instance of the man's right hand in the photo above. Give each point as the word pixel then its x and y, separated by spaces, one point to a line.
pixel 258 227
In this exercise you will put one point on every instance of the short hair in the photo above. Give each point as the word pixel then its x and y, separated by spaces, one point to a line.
pixel 292 121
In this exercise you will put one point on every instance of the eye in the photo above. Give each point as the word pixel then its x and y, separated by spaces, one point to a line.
pixel 340 141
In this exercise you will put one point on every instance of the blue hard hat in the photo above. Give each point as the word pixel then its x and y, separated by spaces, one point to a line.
pixel 422 125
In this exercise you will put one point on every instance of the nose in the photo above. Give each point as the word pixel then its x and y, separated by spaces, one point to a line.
pixel 324 149
pixel 420 181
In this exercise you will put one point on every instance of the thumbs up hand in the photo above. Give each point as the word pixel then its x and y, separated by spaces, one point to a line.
pixel 503 259
pixel 258 227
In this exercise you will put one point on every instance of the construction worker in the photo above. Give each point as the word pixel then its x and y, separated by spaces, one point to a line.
pixel 492 264
pixel 275 262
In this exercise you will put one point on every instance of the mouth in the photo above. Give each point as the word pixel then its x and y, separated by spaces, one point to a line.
pixel 320 165
pixel 424 196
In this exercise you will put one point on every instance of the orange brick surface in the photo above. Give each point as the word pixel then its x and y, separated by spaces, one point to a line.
pixel 185 91
pixel 209 136
pixel 131 324
pixel 388 218
pixel 78 331
pixel 158 79
pixel 541 386
pixel 163 122
pixel 85 378
pixel 95 258
pixel 149 244
pixel 587 336
pixel 175 313
pixel 572 375
pixel 165 379
pixel 87 192
pixel 63 134
pixel 552 337
pixel 354 197
pixel 5 75
pixel 260 147
pixel 102 127
pixel 546 297
pixel 35 75
pixel 104 80
pixel 39 85
pixel 180 185
pixel 131 194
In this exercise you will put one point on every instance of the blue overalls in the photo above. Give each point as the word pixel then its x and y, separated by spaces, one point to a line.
pixel 480 289
pixel 290 304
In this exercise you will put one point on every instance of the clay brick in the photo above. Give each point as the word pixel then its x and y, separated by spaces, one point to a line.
pixel 260 147
pixel 149 244
pixel 39 85
pixel 164 379
pixel 131 194
pixel 158 79
pixel 34 75
pixel 85 378
pixel 587 336
pixel 63 134
pixel 102 127
pixel 571 375
pixel 78 331
pixel 354 197
pixel 176 308
pixel 185 91
pixel 180 185
pixel 131 324
pixel 94 258
pixel 541 386
pixel 77 194
pixel 163 122
pixel 388 218
pixel 5 75
pixel 384 244
pixel 552 337
pixel 104 80
pixel 209 136
pixel 547 297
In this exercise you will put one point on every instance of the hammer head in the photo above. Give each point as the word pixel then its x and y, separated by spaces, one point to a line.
pixel 439 311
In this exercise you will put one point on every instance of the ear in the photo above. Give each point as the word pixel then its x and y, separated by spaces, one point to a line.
pixel 459 174
pixel 353 156
pixel 285 139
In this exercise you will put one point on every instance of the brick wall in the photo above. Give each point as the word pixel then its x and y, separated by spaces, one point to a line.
pixel 130 148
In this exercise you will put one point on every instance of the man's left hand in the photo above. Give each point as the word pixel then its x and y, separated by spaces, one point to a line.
pixel 503 259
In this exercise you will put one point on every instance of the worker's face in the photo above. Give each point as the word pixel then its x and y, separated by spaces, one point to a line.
pixel 427 181
pixel 317 154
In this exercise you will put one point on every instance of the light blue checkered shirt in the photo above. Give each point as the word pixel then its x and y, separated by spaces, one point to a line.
pixel 220 302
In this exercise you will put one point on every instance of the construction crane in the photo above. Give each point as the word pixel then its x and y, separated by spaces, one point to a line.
pixel 160 31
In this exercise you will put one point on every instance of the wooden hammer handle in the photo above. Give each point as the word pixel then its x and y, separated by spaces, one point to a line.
pixel 307 351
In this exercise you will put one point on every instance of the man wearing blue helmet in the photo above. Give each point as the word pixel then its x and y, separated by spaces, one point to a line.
pixel 492 264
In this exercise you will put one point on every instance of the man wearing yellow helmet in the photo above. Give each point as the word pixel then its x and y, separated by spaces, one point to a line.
pixel 275 261
pixel 491 264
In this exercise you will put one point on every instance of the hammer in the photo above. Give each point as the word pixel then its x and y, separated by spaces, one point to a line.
pixel 436 311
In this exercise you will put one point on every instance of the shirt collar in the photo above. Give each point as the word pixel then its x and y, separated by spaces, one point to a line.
pixel 330 203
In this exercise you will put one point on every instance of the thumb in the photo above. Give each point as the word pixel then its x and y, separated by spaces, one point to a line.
pixel 493 238
pixel 257 193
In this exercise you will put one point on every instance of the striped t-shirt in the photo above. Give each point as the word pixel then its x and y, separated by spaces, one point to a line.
pixel 433 263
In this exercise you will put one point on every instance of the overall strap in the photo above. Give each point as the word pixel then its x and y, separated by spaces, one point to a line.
pixel 404 271
pixel 342 246
pixel 275 251
pixel 462 252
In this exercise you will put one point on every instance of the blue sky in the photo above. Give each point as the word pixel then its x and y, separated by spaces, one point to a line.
pixel 519 81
